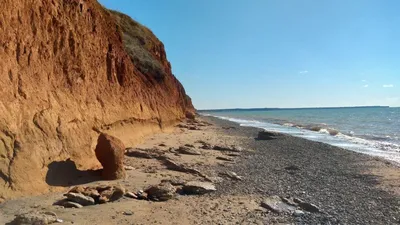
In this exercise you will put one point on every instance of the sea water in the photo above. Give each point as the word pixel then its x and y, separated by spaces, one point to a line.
pixel 370 130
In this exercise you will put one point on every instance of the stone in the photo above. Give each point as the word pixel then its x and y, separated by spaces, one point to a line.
pixel 105 196
pixel 221 148
pixel 162 145
pixel 129 168
pixel 292 167
pixel 276 205
pixel 227 148
pixel 206 146
pixel 142 195
pixel 91 192
pixel 174 181
pixel 110 195
pixel 101 188
pixel 224 158
pixel 161 192
pixel 131 195
pixel 151 153
pixel 288 201
pixel 233 154
pixel 34 218
pixel 198 188
pixel 232 175
pixel 237 148
pixel 79 198
pixel 110 153
pixel 267 135
pixel 306 206
pixel 187 151
pixel 128 213
pixel 77 189
pixel 69 204
pixel 172 165
pixel 118 193
pixel 298 213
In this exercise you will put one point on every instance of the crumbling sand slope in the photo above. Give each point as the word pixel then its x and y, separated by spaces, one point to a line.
pixel 70 69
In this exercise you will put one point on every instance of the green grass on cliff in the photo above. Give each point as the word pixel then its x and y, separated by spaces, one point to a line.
pixel 139 41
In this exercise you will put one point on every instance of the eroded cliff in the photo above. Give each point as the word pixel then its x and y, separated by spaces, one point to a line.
pixel 70 69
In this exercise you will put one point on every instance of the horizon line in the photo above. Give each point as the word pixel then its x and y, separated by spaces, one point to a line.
pixel 279 108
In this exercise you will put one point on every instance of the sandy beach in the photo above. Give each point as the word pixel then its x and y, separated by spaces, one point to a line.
pixel 285 180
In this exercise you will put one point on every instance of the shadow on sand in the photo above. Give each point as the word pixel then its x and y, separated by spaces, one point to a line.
pixel 65 173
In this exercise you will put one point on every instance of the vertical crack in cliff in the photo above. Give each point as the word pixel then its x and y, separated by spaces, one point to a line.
pixel 12 153
pixel 10 75
pixel 21 92
pixel 120 72
pixel 60 136
pixel 18 52
pixel 71 43
pixel 4 177
pixel 109 63
pixel 16 147
pixel 3 174
pixel 33 25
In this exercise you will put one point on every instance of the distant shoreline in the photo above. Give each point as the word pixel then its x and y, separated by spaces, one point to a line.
pixel 305 108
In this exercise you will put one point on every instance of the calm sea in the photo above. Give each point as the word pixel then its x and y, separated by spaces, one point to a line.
pixel 373 131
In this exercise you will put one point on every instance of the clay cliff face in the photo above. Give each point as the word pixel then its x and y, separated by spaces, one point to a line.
pixel 69 70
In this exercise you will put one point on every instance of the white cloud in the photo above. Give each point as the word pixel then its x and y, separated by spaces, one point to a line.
pixel 388 85
pixel 303 72
pixel 364 81
pixel 366 86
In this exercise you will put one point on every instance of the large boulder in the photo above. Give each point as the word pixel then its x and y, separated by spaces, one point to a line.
pixel 110 153
pixel 268 135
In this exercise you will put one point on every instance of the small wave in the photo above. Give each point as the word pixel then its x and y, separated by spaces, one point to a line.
pixel 288 125
pixel 329 131
pixel 381 145
pixel 314 128
pixel 376 137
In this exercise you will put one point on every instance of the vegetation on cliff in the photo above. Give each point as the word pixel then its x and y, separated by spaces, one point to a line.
pixel 141 45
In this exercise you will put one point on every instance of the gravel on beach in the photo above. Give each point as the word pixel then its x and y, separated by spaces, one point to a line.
pixel 336 180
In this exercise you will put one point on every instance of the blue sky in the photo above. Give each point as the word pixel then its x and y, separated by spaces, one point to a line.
pixel 278 53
